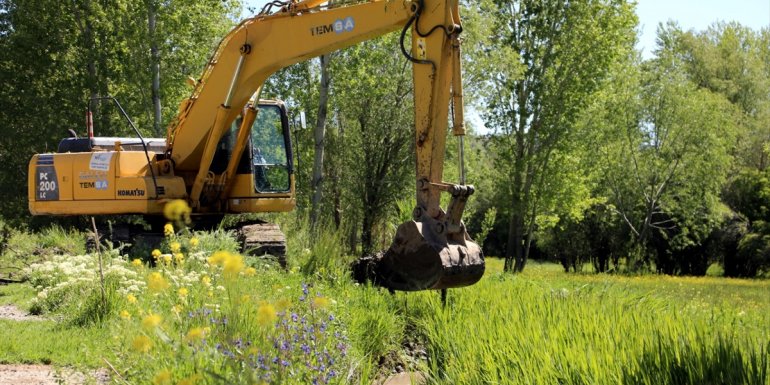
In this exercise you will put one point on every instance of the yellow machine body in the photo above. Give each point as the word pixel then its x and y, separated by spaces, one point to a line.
pixel 119 182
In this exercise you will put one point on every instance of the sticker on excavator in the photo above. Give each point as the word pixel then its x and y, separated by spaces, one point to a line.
pixel 100 161
pixel 46 183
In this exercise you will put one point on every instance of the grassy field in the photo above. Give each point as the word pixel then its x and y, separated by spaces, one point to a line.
pixel 199 317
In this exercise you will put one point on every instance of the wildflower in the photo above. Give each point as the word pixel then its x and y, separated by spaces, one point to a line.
pixel 206 280
pixel 266 314
pixel 233 265
pixel 219 258
pixel 168 229
pixel 167 259
pixel 250 272
pixel 156 282
pixel 320 302
pixel 176 210
pixel 175 247
pixel 163 377
pixel 151 321
pixel 176 309
pixel 156 253
pixel 137 262
pixel 178 258
pixel 195 334
pixel 131 298
pixel 125 314
pixel 194 242
pixel 141 344
pixel 182 291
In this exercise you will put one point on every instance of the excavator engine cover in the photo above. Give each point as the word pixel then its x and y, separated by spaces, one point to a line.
pixel 424 256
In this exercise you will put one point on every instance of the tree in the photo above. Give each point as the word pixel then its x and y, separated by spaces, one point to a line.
pixel 373 113
pixel 664 152
pixel 561 52
pixel 57 55
pixel 730 60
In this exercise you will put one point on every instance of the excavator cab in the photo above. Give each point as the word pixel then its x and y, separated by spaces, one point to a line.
pixel 271 157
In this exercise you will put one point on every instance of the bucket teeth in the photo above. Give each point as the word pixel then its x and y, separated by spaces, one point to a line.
pixel 421 258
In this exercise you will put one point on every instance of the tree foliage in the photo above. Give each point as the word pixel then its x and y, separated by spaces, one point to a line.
pixel 544 61
pixel 56 55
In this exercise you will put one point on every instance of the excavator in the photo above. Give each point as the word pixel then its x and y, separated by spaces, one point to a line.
pixel 228 151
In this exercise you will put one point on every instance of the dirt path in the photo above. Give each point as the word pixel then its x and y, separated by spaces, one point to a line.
pixel 11 312
pixel 47 375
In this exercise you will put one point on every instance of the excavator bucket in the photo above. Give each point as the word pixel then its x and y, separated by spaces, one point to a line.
pixel 424 256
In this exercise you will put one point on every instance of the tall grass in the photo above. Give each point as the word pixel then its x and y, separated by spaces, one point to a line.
pixel 527 330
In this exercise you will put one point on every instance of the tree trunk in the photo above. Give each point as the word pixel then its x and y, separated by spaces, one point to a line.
pixel 154 68
pixel 367 238
pixel 320 131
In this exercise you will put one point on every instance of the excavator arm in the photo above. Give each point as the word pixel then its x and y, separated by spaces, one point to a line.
pixel 433 251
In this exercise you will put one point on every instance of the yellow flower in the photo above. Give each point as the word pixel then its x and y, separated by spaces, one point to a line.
pixel 195 334
pixel 136 262
pixel 211 293
pixel 156 253
pixel 178 258
pixel 219 258
pixel 163 377
pixel 183 291
pixel 175 246
pixel 131 298
pixel 206 280
pixel 250 272
pixel 194 242
pixel 125 314
pixel 167 259
pixel 320 302
pixel 156 282
pixel 176 309
pixel 176 210
pixel 233 265
pixel 141 344
pixel 266 314
pixel 168 229
pixel 151 321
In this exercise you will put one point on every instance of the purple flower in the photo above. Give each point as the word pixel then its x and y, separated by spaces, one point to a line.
pixel 305 349
pixel 294 317
pixel 304 288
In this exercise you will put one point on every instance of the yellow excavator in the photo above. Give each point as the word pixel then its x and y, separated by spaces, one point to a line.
pixel 228 151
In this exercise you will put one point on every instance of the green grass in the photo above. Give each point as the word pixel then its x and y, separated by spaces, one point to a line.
pixel 539 327
pixel 46 342
pixel 17 294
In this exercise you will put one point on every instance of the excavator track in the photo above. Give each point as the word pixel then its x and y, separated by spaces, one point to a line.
pixel 259 238
pixel 256 238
